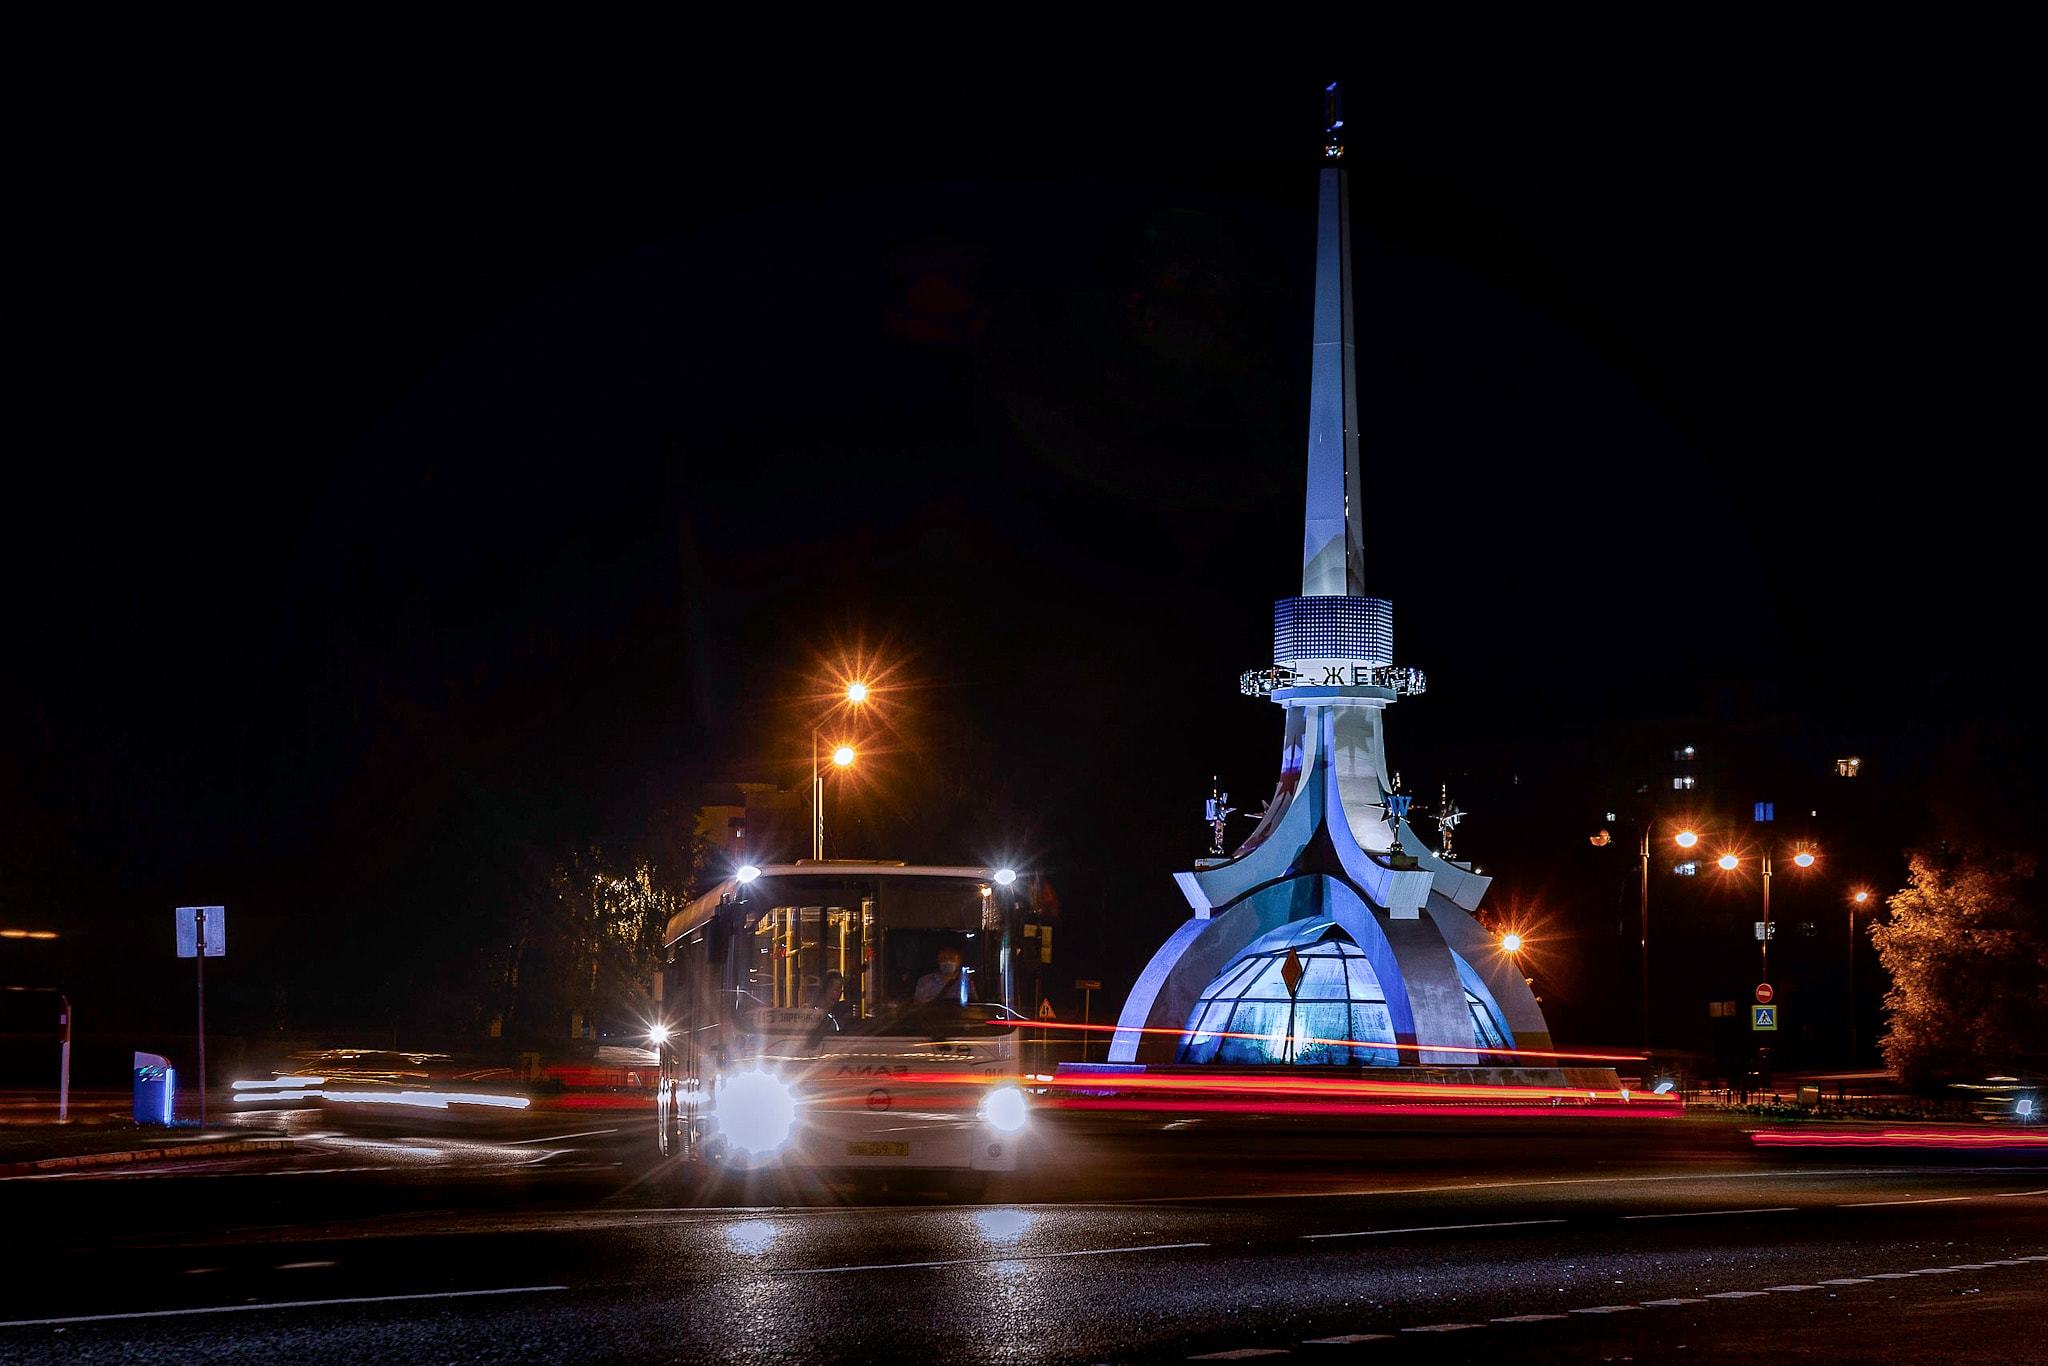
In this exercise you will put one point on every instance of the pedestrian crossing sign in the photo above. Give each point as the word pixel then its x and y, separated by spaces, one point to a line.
pixel 1763 1017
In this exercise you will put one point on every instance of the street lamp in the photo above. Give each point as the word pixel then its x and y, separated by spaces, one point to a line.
pixel 1803 857
pixel 855 694
pixel 1686 838
pixel 1511 942
pixel 63 1044
pixel 1859 899
pixel 1006 878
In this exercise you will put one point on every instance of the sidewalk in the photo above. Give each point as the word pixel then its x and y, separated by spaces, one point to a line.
pixel 103 1132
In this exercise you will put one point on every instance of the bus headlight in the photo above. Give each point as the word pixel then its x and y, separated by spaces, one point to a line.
pixel 755 1112
pixel 1004 1109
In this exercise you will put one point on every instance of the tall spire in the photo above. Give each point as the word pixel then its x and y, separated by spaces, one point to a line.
pixel 1333 543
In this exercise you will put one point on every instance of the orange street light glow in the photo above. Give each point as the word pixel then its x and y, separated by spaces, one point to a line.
pixel 843 755
pixel 1512 942
pixel 1687 839
pixel 1804 858
pixel 856 692
pixel 1728 861
pixel 1861 897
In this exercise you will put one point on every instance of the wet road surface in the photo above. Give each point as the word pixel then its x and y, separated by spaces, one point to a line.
pixel 1128 1238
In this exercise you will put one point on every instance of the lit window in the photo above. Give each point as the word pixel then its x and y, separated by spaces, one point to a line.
pixel 1683 783
pixel 1336 1014
pixel 1683 756
pixel 1689 868
pixel 1849 767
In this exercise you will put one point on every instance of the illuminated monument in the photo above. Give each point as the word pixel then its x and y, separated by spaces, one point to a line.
pixel 1332 932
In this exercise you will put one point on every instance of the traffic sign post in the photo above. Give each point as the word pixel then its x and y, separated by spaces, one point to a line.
pixel 1763 1018
pixel 202 934
pixel 1087 988
pixel 1764 993
pixel 1045 1012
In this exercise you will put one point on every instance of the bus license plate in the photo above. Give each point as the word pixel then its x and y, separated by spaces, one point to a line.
pixel 878 1150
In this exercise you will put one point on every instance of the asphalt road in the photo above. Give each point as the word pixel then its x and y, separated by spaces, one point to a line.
pixel 1130 1237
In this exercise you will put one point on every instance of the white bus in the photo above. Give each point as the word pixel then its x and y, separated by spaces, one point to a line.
pixel 849 1017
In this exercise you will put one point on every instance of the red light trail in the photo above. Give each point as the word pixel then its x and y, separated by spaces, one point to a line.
pixel 1300 1039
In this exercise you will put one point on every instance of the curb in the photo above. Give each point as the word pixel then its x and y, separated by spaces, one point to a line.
pixel 143 1155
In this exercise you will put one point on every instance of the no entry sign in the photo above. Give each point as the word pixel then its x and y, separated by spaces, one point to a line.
pixel 1764 994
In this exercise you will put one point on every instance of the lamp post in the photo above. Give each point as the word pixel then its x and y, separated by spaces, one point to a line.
pixel 1802 857
pixel 1860 898
pixel 842 756
pixel 63 1042
pixel 1684 839
pixel 1006 908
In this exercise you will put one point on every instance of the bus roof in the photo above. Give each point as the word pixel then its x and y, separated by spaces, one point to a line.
pixel 702 909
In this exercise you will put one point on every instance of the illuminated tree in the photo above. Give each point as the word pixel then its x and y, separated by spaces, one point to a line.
pixel 1967 950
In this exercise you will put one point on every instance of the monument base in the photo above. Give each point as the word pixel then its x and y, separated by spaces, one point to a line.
pixel 1477 1086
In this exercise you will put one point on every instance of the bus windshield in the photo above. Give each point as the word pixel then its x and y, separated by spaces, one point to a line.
pixel 877 955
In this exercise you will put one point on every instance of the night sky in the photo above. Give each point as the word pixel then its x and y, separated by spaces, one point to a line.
pixel 443 472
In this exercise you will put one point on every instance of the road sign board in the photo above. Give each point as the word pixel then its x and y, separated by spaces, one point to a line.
pixel 1045 1010
pixel 1763 1017
pixel 1764 993
pixel 1292 972
pixel 215 919
pixel 1085 985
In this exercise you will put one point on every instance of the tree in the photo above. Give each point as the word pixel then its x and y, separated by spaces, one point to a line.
pixel 1967 951
pixel 586 943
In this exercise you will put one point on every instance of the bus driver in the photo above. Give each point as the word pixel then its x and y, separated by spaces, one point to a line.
pixel 949 982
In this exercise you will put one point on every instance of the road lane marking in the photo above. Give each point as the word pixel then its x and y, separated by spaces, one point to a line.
pixel 2014 1195
pixel 986 1261
pixel 1707 1213
pixel 1931 1200
pixel 1346 1339
pixel 200 1270
pixel 1241 1354
pixel 1430 1228
pixel 1739 1175
pixel 560 1138
pixel 302 1266
pixel 277 1304
pixel 1676 1300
